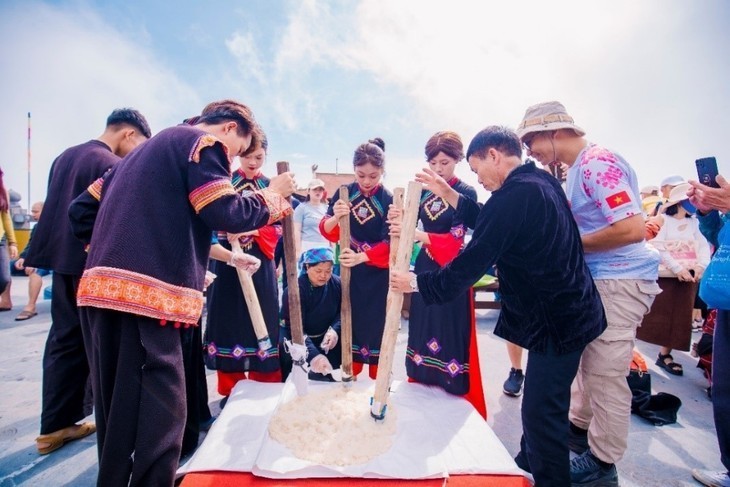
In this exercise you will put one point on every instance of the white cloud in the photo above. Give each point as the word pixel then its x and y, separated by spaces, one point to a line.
pixel 70 69
pixel 644 78
pixel 243 47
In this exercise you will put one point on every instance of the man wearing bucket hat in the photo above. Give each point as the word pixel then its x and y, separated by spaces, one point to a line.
pixel 604 197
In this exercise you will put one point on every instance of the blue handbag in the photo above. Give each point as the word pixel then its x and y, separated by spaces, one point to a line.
pixel 715 282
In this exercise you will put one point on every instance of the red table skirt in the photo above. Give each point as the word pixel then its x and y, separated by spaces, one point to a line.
pixel 237 479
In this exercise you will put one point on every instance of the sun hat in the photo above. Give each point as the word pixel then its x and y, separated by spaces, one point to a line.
pixel 549 115
pixel 649 189
pixel 677 195
pixel 315 183
pixel 672 180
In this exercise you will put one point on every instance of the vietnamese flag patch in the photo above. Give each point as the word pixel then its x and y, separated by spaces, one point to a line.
pixel 618 199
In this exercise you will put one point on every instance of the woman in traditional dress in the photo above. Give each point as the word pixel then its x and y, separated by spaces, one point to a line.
pixel 230 341
pixel 368 252
pixel 320 295
pixel 442 347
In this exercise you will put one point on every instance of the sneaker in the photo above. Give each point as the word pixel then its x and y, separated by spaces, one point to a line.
pixel 513 385
pixel 577 439
pixel 711 479
pixel 588 471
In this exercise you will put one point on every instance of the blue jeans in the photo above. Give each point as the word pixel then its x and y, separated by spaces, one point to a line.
pixel 4 265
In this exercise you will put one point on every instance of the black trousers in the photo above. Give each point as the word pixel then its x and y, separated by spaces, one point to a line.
pixel 139 394
pixel 196 387
pixel 545 424
pixel 66 388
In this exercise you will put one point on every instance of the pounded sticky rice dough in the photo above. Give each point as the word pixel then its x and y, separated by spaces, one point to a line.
pixel 333 427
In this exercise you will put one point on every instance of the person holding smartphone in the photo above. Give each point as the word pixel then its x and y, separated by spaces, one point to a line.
pixel 713 207
pixel 685 255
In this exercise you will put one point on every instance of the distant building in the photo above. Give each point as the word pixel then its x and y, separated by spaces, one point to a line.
pixel 332 182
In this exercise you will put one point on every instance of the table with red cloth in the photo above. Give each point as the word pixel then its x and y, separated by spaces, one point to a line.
pixel 239 479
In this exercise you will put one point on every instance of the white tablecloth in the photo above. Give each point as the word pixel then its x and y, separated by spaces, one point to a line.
pixel 437 434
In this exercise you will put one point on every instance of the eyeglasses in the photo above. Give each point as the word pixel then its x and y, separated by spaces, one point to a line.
pixel 526 145
pixel 527 142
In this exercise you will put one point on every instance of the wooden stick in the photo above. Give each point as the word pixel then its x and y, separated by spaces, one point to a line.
pixel 395 303
pixel 398 203
pixel 346 306
pixel 252 302
pixel 290 266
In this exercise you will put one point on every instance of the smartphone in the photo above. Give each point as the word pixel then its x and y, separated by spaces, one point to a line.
pixel 707 171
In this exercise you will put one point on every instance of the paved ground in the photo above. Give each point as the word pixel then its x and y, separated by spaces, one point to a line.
pixel 657 456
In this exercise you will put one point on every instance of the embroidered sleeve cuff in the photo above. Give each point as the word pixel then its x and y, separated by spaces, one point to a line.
pixel 204 195
pixel 279 208
pixel 94 189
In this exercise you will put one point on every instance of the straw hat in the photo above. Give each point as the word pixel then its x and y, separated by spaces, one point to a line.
pixel 550 115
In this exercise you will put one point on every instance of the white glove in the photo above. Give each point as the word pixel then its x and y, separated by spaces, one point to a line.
pixel 245 262
pixel 320 365
pixel 208 279
pixel 329 341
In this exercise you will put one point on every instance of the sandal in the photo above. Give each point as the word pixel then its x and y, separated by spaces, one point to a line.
pixel 25 315
pixel 672 367
pixel 58 438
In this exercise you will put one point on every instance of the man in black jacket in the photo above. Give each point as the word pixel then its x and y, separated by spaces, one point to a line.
pixel 550 305
pixel 54 247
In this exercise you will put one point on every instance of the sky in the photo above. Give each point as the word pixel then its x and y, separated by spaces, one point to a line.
pixel 647 78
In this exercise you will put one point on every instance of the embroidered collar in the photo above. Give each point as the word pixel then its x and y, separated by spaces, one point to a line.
pixel 242 173
pixel 368 194
pixel 427 194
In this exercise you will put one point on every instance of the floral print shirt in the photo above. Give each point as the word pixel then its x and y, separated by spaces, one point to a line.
pixel 603 189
